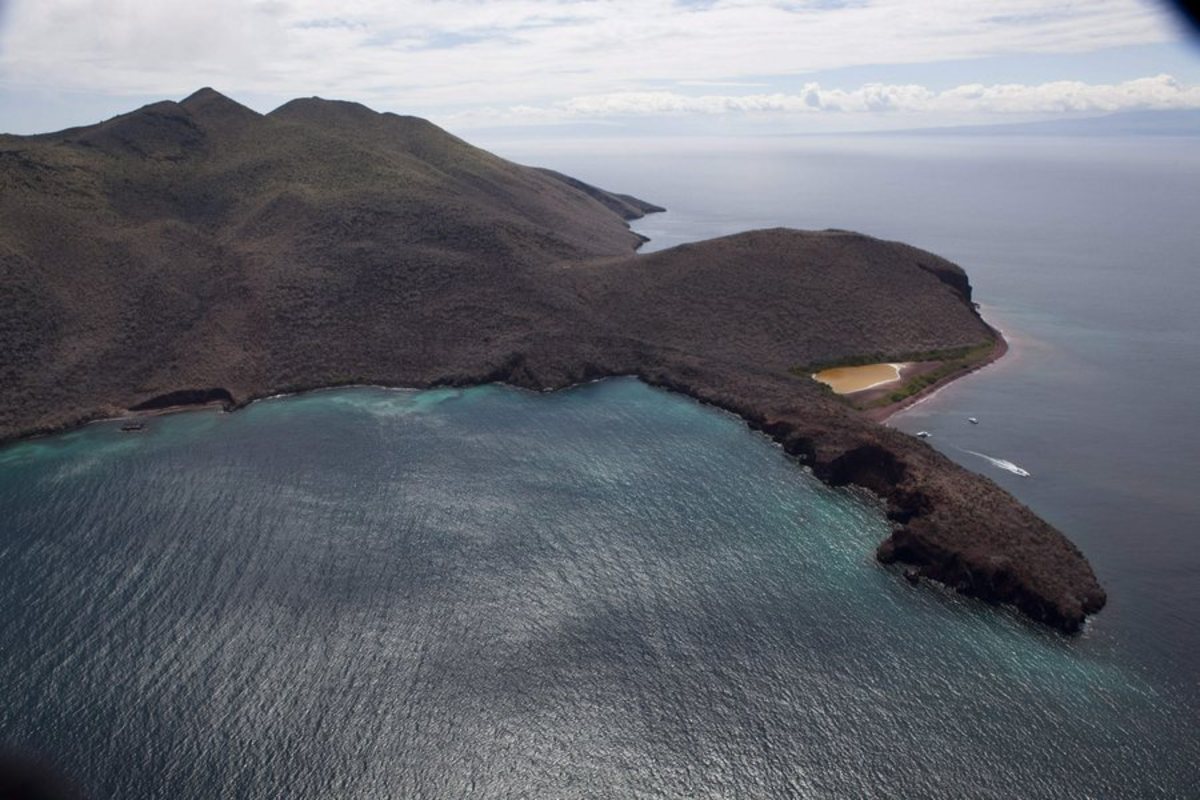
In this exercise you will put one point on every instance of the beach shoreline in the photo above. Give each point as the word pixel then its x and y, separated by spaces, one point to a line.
pixel 882 414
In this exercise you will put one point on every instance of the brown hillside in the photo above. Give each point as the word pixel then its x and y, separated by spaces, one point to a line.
pixel 198 251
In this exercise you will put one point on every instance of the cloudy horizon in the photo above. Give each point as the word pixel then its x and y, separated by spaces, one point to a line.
pixel 783 66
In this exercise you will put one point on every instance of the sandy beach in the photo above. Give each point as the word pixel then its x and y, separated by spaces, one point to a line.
pixel 847 380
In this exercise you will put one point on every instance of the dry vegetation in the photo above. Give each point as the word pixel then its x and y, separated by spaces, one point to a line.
pixel 201 247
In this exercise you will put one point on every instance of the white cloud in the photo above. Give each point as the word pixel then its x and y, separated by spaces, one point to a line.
pixel 450 55
pixel 1158 92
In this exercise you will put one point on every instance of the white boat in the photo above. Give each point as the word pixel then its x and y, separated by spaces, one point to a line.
pixel 972 420
pixel 922 434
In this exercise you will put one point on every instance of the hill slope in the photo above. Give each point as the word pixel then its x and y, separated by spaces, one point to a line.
pixel 200 251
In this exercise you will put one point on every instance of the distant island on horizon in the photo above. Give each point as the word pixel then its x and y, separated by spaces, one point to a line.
pixel 200 252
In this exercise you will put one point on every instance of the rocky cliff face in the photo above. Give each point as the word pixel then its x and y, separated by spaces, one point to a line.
pixel 201 252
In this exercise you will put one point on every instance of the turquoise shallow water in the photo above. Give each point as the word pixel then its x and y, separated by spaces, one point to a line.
pixel 604 592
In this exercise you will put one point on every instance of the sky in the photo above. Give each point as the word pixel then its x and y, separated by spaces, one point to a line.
pixel 628 66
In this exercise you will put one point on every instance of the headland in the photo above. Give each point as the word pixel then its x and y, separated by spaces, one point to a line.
pixel 200 252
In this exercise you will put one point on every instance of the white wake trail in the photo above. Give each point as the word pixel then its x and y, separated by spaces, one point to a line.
pixel 1001 463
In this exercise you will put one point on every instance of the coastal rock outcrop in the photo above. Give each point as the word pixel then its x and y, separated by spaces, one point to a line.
pixel 199 252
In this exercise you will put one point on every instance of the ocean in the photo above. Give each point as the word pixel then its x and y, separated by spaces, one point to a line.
pixel 613 591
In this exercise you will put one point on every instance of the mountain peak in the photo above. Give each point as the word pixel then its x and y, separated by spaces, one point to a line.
pixel 202 94
pixel 318 109
pixel 208 103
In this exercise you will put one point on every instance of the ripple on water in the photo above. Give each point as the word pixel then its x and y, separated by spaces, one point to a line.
pixel 606 590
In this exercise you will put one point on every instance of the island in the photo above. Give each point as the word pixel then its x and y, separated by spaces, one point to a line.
pixel 199 252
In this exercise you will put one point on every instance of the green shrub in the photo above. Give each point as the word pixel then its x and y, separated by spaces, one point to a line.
pixel 966 355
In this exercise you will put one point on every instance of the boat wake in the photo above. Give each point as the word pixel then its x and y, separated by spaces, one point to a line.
pixel 1001 463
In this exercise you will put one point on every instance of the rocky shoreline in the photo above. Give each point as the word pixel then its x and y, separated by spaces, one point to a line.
pixel 876 464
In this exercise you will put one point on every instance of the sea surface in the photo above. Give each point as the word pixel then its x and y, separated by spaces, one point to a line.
pixel 616 592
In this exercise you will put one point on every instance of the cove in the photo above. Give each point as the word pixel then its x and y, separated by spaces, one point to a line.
pixel 610 590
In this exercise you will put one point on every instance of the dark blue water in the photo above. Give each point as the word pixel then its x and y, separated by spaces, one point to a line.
pixel 615 592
